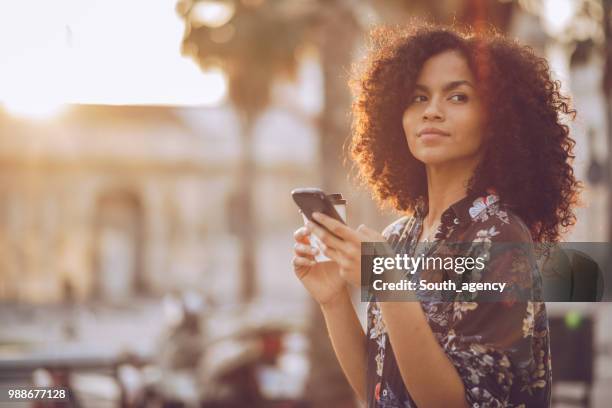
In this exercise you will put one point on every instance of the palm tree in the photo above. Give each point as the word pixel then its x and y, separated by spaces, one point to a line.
pixel 253 42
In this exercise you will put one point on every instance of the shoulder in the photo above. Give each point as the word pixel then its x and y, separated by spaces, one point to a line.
pixel 396 227
pixel 492 220
pixel 498 235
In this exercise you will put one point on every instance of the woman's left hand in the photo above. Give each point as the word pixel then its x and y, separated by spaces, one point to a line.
pixel 346 252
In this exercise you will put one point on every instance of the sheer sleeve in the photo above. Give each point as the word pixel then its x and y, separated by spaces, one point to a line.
pixel 392 232
pixel 492 339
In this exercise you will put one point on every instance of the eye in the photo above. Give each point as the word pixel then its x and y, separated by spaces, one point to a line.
pixel 418 98
pixel 459 98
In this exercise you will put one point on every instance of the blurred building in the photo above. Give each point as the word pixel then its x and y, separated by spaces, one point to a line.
pixel 111 202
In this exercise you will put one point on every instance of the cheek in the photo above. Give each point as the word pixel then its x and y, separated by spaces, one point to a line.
pixel 406 122
pixel 471 132
pixel 409 125
pixel 468 143
pixel 409 134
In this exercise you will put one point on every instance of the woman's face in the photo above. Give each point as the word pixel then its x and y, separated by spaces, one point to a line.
pixel 443 119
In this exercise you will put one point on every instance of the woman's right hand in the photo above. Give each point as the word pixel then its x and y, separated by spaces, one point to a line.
pixel 321 279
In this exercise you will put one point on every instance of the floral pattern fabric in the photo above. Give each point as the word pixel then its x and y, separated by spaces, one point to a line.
pixel 500 349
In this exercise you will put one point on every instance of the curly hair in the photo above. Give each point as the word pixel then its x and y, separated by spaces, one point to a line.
pixel 528 150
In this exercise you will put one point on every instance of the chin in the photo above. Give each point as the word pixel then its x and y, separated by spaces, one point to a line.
pixel 444 154
pixel 433 158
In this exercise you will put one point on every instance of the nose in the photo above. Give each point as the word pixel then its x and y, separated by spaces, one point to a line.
pixel 432 111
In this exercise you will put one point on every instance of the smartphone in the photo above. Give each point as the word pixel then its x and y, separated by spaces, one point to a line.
pixel 311 199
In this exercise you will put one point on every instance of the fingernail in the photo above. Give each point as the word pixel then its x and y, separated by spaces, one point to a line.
pixel 315 215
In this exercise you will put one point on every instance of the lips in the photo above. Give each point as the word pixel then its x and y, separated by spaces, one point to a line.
pixel 432 131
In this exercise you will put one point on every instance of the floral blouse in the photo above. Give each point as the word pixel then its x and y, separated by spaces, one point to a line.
pixel 500 349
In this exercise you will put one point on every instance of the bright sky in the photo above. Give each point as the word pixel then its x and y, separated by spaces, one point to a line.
pixel 557 14
pixel 54 52
pixel 97 51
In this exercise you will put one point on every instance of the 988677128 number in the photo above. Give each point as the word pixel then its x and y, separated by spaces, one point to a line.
pixel 25 394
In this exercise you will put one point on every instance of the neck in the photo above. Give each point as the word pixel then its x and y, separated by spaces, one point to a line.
pixel 446 184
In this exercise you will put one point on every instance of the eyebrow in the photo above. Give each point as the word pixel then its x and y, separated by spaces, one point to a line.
pixel 447 87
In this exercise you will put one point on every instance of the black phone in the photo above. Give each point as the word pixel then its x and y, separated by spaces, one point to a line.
pixel 311 199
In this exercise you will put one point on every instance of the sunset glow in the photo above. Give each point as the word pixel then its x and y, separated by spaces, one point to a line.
pixel 103 52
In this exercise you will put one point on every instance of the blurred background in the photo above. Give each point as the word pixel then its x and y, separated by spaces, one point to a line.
pixel 147 153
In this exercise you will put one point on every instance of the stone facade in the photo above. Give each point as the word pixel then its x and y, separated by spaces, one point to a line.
pixel 110 202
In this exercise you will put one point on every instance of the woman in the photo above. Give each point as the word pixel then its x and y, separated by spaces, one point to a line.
pixel 462 132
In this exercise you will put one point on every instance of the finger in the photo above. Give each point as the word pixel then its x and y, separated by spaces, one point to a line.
pixel 333 254
pixel 338 257
pixel 301 266
pixel 301 235
pixel 301 261
pixel 335 226
pixel 305 250
pixel 327 238
pixel 369 233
